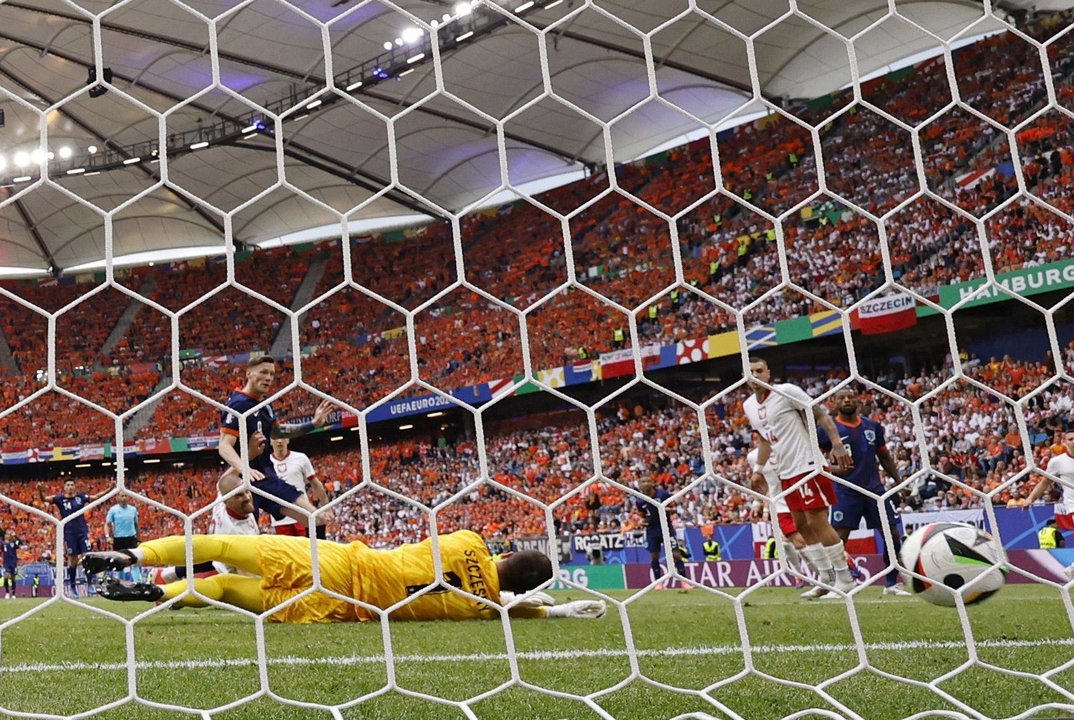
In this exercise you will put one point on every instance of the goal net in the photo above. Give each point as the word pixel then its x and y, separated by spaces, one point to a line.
pixel 527 252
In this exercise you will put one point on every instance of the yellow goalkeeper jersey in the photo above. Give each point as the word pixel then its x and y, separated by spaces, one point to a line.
pixel 385 577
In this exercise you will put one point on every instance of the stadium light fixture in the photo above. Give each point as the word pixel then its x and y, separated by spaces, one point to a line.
pixel 76 171
pixel 524 7
pixel 412 34
pixel 406 427
pixel 399 42
pixel 438 413
pixel 3 162
pixel 354 86
pixel 406 72
pixel 446 17
pixel 131 161
pixel 199 145
pixel 20 179
pixel 464 36
pixel 551 5
pixel 92 149
pixel 151 461
pixel 313 104
pixel 65 152
pixel 37 156
pixel 388 45
pixel 462 9
pixel 22 158
pixel 415 58
pixel 335 438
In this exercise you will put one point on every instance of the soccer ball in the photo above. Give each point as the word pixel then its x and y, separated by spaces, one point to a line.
pixel 949 556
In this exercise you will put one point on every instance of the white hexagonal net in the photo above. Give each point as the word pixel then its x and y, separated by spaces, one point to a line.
pixel 885 188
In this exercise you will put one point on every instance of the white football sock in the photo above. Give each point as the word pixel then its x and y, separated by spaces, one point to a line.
pixel 818 558
pixel 838 558
pixel 167 575
pixel 794 559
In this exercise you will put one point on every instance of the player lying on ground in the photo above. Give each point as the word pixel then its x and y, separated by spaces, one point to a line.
pixel 381 578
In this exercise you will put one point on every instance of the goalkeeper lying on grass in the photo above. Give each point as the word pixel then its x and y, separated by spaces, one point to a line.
pixel 284 569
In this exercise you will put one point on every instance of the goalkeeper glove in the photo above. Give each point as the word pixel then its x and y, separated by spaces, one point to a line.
pixel 537 599
pixel 578 609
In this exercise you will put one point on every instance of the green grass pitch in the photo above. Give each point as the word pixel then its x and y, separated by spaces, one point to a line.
pixel 66 660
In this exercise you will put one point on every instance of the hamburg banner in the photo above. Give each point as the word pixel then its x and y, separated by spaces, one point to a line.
pixel 887 313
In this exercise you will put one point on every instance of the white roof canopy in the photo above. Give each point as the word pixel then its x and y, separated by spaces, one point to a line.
pixel 340 153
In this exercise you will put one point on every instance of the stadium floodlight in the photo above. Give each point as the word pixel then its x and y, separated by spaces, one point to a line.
pixel 388 45
pixel 199 145
pixel 65 152
pixel 22 158
pixel 462 9
pixel 92 149
pixel 37 155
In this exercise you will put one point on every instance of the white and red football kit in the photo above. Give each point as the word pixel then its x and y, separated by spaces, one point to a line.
pixel 780 418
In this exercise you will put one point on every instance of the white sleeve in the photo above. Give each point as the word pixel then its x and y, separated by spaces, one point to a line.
pixel 795 393
pixel 308 470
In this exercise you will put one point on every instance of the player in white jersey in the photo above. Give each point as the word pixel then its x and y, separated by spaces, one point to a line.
pixel 295 469
pixel 778 416
pixel 1062 467
pixel 234 516
pixel 779 512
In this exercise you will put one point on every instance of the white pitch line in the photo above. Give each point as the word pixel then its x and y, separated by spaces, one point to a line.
pixel 291 660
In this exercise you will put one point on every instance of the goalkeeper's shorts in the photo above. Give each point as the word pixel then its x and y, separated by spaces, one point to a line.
pixel 287 572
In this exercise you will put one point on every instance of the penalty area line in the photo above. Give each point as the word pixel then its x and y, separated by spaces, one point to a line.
pixel 291 660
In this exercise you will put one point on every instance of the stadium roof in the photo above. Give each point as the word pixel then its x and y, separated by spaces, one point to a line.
pixel 339 152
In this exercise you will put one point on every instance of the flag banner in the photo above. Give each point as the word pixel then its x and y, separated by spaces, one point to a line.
pixel 583 372
pixel 1025 281
pixel 691 351
pixel 621 362
pixel 975 178
pixel 887 313
pixel 828 322
pixel 555 378
pixel 19 457
pixel 761 336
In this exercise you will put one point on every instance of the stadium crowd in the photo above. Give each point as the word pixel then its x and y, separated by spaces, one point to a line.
pixel 971 436
pixel 516 253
